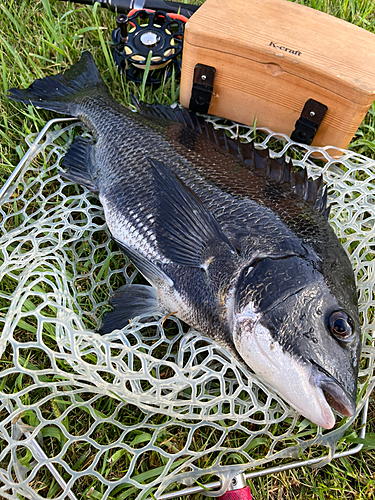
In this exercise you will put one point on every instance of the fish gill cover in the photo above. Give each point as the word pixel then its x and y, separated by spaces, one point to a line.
pixel 129 412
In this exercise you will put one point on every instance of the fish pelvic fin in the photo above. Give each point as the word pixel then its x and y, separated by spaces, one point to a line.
pixel 148 269
pixel 61 92
pixel 79 162
pixel 128 302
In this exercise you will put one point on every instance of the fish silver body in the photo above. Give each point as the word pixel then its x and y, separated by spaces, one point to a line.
pixel 233 242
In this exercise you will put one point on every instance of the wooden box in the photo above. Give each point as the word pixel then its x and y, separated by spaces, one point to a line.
pixel 271 56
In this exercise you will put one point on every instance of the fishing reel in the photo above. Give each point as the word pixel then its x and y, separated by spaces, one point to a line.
pixel 142 31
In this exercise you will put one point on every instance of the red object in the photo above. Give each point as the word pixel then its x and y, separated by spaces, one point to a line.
pixel 171 15
pixel 242 494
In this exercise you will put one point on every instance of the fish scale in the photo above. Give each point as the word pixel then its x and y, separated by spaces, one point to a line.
pixel 150 139
pixel 233 242
pixel 280 224
pixel 128 220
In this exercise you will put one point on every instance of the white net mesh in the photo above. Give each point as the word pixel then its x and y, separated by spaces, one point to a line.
pixel 132 412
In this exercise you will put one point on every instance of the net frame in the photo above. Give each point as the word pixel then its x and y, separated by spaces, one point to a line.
pixel 329 169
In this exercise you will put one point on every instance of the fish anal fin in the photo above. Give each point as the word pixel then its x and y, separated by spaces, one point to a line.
pixel 129 302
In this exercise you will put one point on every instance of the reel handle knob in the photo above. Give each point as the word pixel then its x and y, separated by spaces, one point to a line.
pixel 122 22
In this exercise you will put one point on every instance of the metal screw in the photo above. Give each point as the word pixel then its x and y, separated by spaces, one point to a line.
pixel 203 77
pixel 312 113
pixel 234 481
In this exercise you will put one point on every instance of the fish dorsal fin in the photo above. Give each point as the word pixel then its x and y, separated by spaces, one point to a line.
pixel 277 169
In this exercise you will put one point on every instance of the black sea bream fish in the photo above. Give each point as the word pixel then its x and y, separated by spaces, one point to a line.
pixel 229 239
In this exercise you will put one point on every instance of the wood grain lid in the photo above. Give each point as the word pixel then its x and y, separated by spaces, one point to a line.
pixel 301 41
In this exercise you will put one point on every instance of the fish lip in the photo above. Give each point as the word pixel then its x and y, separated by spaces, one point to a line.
pixel 335 395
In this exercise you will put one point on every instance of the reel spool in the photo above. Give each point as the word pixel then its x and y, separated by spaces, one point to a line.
pixel 143 31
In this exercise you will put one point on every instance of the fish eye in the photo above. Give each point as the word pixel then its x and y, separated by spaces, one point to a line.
pixel 339 325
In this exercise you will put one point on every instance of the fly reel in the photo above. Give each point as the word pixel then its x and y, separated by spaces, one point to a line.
pixel 143 31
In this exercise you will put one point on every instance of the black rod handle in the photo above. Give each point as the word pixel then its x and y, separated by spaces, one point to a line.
pixel 173 7
pixel 124 6
pixel 120 6
pixel 85 2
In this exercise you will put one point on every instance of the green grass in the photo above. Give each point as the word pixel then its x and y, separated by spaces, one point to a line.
pixel 40 38
pixel 358 12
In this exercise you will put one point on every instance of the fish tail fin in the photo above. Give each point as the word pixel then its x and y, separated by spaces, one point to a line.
pixel 61 92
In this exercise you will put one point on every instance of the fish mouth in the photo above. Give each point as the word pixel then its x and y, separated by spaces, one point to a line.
pixel 335 395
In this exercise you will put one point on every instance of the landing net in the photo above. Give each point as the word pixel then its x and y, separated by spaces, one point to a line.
pixel 155 405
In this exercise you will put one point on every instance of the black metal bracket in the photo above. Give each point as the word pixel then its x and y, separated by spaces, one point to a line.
pixel 203 85
pixel 309 122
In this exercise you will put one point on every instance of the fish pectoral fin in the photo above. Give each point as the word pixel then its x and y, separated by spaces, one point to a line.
pixel 80 162
pixel 148 269
pixel 128 302
pixel 187 229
